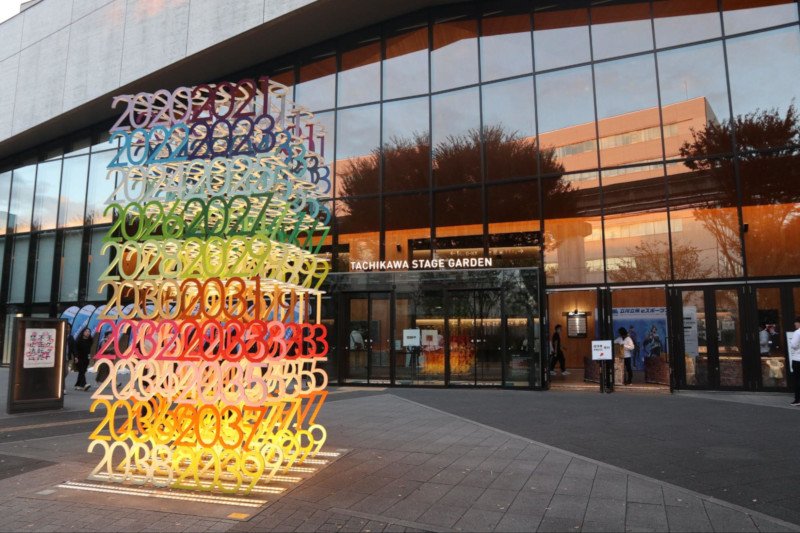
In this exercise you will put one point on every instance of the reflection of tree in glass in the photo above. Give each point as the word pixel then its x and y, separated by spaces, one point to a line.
pixel 649 260
pixel 769 168
pixel 406 163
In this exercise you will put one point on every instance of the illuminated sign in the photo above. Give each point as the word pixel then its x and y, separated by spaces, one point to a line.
pixel 215 278
pixel 423 264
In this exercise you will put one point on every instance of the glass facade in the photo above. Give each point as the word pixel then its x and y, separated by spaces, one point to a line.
pixel 604 143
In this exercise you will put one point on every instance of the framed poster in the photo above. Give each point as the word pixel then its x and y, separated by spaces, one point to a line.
pixel 39 350
pixel 36 373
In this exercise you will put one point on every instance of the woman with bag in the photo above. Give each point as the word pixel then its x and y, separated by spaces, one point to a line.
pixel 83 352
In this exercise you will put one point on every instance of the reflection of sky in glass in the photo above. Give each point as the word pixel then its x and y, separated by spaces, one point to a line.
pixel 560 47
pixel 70 266
pixel 620 38
pixel 404 119
pixel 22 198
pixel 5 189
pixel 318 88
pixel 454 114
pixel 456 63
pixel 44 268
pixel 687 73
pixel 361 84
pixel 765 70
pixel 674 30
pixel 741 20
pixel 510 104
pixel 406 74
pixel 564 98
pixel 358 131
pixel 625 85
pixel 73 191
pixel 99 188
pixel 505 55
pixel 46 202
pixel 19 269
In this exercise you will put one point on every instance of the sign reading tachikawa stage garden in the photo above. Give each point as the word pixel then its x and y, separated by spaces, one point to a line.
pixel 214 278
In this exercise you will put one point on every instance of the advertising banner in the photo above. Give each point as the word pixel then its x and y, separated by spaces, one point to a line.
pixel 647 327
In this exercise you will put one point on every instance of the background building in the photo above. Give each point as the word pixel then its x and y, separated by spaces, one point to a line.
pixel 610 158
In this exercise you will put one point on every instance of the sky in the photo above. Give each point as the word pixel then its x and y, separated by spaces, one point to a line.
pixel 9 8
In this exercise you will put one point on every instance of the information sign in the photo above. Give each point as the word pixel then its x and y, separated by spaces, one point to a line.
pixel 601 351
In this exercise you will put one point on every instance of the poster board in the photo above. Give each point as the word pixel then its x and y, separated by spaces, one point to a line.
pixel 411 338
pixel 602 351
pixel 36 380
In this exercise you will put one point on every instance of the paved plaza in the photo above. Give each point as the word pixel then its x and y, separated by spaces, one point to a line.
pixel 458 460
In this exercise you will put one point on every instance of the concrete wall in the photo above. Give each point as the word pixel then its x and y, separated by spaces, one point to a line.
pixel 60 58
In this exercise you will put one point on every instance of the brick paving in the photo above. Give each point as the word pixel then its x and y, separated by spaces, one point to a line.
pixel 409 468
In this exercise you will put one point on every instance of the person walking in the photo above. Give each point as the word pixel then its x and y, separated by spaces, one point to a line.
pixel 557 353
pixel 794 360
pixel 83 352
pixel 627 349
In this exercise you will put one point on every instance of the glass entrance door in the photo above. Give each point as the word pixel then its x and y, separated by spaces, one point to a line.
pixel 368 339
pixel 474 337
pixel 711 339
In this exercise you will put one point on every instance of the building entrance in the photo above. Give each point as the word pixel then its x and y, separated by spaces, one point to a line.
pixel 442 329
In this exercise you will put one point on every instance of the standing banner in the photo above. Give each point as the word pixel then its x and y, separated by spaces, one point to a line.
pixel 36 378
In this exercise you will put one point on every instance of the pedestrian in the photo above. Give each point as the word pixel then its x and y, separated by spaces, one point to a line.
pixel 627 349
pixel 83 352
pixel 557 353
pixel 794 363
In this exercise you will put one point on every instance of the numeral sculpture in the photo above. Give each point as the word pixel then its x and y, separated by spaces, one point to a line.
pixel 214 275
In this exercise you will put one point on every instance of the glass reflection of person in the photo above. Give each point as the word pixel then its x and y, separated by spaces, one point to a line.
pixel 763 340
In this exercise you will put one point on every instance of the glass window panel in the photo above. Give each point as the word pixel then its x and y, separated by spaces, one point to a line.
pixel 771 338
pixel 572 230
pixel 317 86
pixel 635 227
pixel 509 134
pixel 685 21
pixel 621 29
pixel 746 15
pixel 771 210
pixel 5 191
pixel 2 254
pixel 406 145
pixel 567 132
pixel 505 46
pixel 285 77
pixel 105 142
pixel 98 262
pixel 695 359
pixel 358 162
pixel 358 226
pixel 405 69
pixel 45 210
pixel 73 192
pixel 694 96
pixel 360 75
pixel 750 94
pixel 513 214
pixel 44 268
pixel 100 188
pixel 458 215
pixel 560 37
pixel 454 59
pixel 70 266
pixel 19 270
pixel 729 338
pixel 21 207
pixel 456 137
pixel 401 227
pixel 704 220
pixel 627 111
